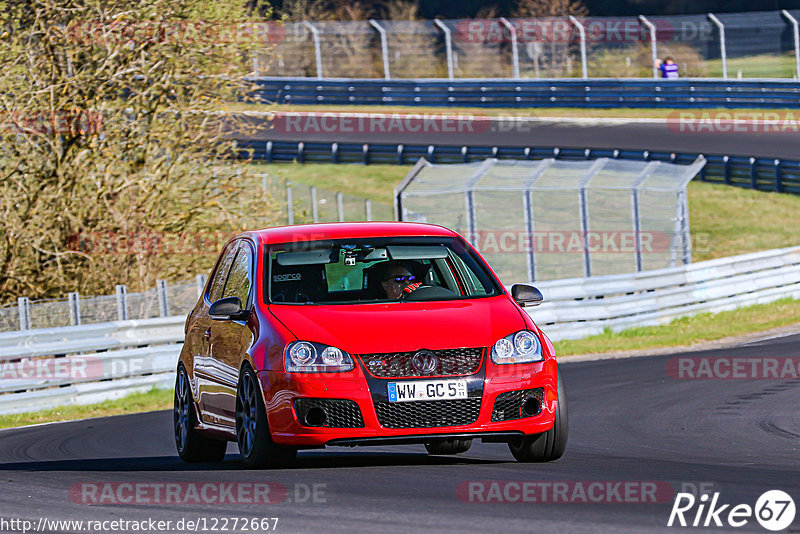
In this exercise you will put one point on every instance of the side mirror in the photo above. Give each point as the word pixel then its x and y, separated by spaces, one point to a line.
pixel 228 309
pixel 526 295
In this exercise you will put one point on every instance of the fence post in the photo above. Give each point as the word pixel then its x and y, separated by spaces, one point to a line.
pixel 721 28
pixel 778 176
pixel 122 302
pixel 726 169
pixel 317 47
pixel 582 33
pixel 200 282
pixel 289 204
pixel 163 299
pixel 74 309
pixel 301 152
pixel 368 208
pixel 314 210
pixel 24 308
pixel 448 46
pixel 514 47
pixel 796 33
pixel 339 206
pixel 753 174
pixel 384 48
pixel 653 45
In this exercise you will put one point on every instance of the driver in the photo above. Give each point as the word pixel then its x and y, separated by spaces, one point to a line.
pixel 396 278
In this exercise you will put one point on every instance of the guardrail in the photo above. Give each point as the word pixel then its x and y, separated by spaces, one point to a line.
pixel 589 93
pixel 83 364
pixel 763 174
pixel 49 367
pixel 581 307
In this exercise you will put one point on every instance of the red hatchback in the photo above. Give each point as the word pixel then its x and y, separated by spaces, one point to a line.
pixel 363 334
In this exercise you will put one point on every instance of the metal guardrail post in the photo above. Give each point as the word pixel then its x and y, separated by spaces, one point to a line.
pixel 753 174
pixel 122 302
pixel 73 299
pixel 583 203
pixel 514 47
pixel 163 299
pixel 384 48
pixel 368 208
pixel 653 44
pixel 796 32
pixel 636 215
pixel 314 207
pixel 582 33
pixel 469 197
pixel 200 282
pixel 778 176
pixel 448 41
pixel 24 309
pixel 317 47
pixel 340 206
pixel 722 51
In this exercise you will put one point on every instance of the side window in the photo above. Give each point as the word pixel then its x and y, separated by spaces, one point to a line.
pixel 221 274
pixel 238 284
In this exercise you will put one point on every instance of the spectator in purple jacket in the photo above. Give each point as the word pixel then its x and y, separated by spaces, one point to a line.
pixel 668 68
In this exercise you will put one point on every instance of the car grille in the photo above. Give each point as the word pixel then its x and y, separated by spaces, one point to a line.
pixel 451 362
pixel 508 405
pixel 428 414
pixel 339 413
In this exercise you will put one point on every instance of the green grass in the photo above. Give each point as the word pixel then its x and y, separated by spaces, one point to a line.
pixel 156 399
pixel 686 331
pixel 375 182
pixel 762 66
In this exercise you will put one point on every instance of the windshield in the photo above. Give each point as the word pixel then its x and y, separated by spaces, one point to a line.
pixel 352 271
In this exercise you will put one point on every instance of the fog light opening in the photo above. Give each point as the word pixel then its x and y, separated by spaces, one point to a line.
pixel 316 416
pixel 531 406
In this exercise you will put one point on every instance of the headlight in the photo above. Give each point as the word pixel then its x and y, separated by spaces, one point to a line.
pixel 520 347
pixel 308 357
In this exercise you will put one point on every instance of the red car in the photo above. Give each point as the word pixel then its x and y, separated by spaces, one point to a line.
pixel 363 334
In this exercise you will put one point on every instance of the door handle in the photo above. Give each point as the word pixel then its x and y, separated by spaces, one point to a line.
pixel 207 335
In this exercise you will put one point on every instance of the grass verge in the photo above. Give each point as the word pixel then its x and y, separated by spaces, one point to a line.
pixel 155 399
pixel 686 331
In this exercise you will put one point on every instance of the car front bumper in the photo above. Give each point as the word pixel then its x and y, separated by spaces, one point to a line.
pixel 282 389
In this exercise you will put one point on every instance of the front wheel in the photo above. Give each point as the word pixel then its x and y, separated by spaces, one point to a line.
pixel 252 430
pixel 550 445
pixel 191 445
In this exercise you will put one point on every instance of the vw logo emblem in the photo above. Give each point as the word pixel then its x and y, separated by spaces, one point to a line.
pixel 425 362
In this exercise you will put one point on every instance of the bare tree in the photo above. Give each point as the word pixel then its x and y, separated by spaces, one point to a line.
pixel 113 138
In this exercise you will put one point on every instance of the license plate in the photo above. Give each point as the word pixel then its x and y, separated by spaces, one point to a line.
pixel 427 390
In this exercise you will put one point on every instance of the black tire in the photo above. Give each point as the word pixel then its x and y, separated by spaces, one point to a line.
pixel 192 446
pixel 547 446
pixel 252 430
pixel 448 446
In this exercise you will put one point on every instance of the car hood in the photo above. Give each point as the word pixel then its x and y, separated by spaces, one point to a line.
pixel 403 326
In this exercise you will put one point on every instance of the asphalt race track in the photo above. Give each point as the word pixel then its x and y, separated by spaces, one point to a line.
pixel 630 421
pixel 642 134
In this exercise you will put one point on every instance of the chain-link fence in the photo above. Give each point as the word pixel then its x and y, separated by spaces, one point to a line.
pixel 167 299
pixel 552 219
pixel 762 44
